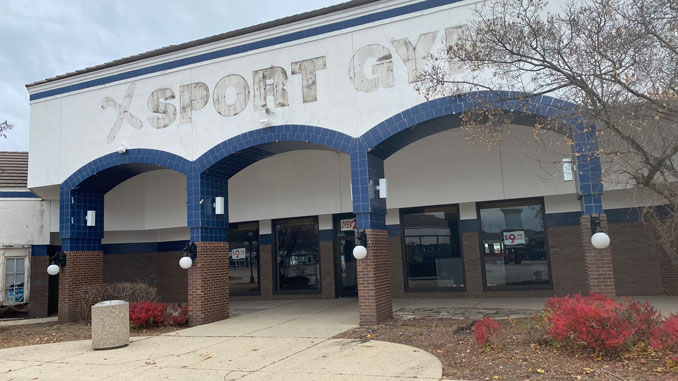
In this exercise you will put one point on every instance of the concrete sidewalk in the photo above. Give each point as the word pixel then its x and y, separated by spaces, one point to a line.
pixel 272 340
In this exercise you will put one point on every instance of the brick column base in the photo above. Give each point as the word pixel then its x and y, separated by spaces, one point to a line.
pixel 208 293
pixel 598 268
pixel 77 281
pixel 37 307
pixel 266 270
pixel 374 281
pixel 669 274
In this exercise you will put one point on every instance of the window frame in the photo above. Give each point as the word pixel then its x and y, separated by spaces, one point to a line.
pixel 403 249
pixel 21 252
pixel 274 258
pixel 526 201
pixel 236 224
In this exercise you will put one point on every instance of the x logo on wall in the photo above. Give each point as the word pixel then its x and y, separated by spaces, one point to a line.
pixel 123 114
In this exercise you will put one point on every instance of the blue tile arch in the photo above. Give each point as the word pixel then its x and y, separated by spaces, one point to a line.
pixel 104 173
pixel 230 156
pixel 85 189
pixel 207 176
pixel 392 134
pixel 210 172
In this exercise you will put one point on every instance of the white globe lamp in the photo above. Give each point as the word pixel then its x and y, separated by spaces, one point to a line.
pixel 53 269
pixel 185 263
pixel 359 252
pixel 600 240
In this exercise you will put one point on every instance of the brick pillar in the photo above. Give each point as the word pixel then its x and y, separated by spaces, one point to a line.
pixel 266 270
pixel 327 269
pixel 473 269
pixel 208 293
pixel 83 273
pixel 37 306
pixel 669 274
pixel 598 270
pixel 374 282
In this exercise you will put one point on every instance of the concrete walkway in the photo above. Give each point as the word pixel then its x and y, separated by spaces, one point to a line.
pixel 271 340
pixel 11 322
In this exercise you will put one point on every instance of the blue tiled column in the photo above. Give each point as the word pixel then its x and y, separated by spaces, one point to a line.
pixel 82 245
pixel 374 278
pixel 589 170
pixel 366 170
pixel 598 268
pixel 205 225
pixel 208 288
pixel 73 230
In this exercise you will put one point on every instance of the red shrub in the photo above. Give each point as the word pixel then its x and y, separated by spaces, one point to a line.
pixel 664 338
pixel 486 330
pixel 177 315
pixel 145 313
pixel 643 317
pixel 597 321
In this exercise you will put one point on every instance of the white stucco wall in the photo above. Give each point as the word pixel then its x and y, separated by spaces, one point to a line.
pixel 444 168
pixel 152 200
pixel 299 183
pixel 70 130
pixel 24 222
pixel 77 121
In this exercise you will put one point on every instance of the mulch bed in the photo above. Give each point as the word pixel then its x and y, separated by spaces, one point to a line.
pixel 32 334
pixel 521 353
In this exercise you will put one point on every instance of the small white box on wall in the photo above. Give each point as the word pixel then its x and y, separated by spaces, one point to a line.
pixel 383 188
pixel 219 205
pixel 91 217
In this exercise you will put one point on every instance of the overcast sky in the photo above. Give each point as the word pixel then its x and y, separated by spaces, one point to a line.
pixel 44 38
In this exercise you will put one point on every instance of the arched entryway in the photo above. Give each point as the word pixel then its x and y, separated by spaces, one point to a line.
pixel 82 195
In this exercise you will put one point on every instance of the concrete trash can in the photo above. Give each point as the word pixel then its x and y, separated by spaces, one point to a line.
pixel 110 324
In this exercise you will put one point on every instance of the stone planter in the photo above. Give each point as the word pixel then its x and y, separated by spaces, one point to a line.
pixel 110 324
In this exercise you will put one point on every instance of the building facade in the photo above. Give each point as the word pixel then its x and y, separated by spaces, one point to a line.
pixel 266 147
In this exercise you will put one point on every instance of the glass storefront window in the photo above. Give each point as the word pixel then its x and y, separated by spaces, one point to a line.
pixel 432 251
pixel 243 246
pixel 297 245
pixel 513 243
pixel 15 278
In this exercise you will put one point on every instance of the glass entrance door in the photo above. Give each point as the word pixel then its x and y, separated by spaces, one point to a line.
pixel 346 272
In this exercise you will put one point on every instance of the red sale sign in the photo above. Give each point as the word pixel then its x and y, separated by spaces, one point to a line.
pixel 348 224
pixel 514 238
pixel 240 253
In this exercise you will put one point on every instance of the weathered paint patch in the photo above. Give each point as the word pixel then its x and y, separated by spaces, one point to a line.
pixel 193 96
pixel 381 71
pixel 270 82
pixel 414 56
pixel 451 36
pixel 307 69
pixel 242 95
pixel 167 110
pixel 123 113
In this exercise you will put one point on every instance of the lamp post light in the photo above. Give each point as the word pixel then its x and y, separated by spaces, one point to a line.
pixel 250 238
pixel 599 239
pixel 190 253
pixel 360 251
pixel 57 263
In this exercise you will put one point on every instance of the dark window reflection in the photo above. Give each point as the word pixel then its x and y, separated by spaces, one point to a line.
pixel 298 254
pixel 15 275
pixel 243 245
pixel 514 243
pixel 432 248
